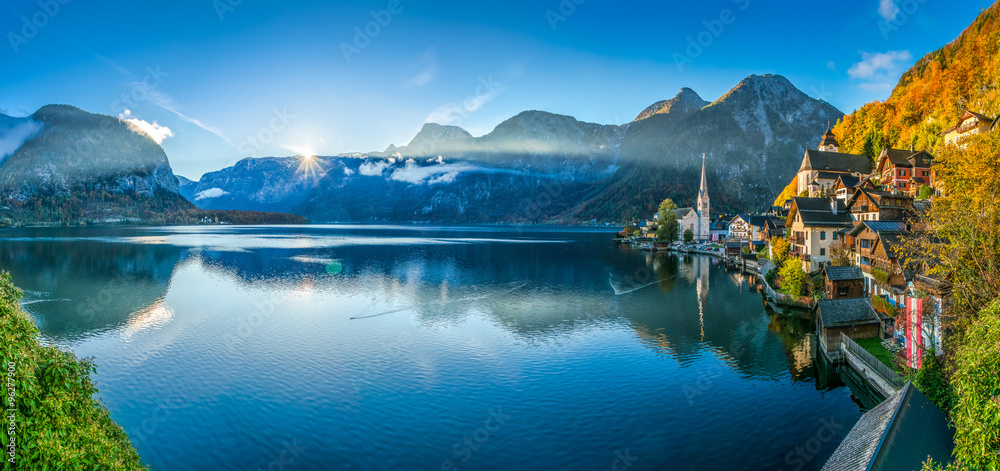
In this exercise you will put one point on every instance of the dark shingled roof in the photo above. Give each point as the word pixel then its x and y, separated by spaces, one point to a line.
pixel 835 162
pixel 829 139
pixel 850 181
pixel 827 176
pixel 846 312
pixel 682 212
pixel 818 212
pixel 843 273
pixel 898 434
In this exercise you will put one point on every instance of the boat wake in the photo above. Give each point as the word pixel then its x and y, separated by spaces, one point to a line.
pixel 441 302
pixel 619 292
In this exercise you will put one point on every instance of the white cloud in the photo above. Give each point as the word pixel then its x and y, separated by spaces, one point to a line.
pixel 373 169
pixel 423 78
pixel 888 10
pixel 154 130
pixel 213 193
pixel 441 173
pixel 13 137
pixel 880 64
pixel 348 172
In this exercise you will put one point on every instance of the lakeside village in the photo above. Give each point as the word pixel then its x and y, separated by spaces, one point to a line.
pixel 839 249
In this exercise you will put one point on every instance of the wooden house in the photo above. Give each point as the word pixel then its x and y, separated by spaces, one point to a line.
pixel 844 282
pixel 896 167
pixel 874 205
pixel 970 124
pixel 813 224
pixel 854 317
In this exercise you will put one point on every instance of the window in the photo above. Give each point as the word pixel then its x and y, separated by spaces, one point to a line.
pixel 822 235
pixel 841 290
pixel 834 236
pixel 822 252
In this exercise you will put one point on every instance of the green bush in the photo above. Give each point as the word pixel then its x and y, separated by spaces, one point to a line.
pixel 976 384
pixel 58 423
pixel 793 278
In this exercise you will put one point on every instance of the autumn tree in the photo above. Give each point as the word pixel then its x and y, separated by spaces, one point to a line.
pixel 840 254
pixel 669 227
pixel 779 250
pixel 793 278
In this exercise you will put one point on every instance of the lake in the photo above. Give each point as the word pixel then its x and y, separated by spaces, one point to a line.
pixel 399 348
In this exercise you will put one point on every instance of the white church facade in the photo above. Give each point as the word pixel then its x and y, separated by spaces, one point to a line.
pixel 697 219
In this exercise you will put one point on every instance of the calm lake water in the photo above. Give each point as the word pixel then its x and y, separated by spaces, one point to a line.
pixel 405 348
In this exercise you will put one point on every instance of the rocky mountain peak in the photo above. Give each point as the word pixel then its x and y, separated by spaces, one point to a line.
pixel 686 101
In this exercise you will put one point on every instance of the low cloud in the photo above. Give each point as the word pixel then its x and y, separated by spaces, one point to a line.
pixel 348 172
pixel 433 174
pixel 153 130
pixel 213 193
pixel 14 135
pixel 373 169
pixel 878 64
pixel 888 10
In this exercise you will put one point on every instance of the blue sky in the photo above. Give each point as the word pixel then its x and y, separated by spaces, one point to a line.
pixel 218 80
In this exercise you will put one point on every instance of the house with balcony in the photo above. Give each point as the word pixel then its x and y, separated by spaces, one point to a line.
pixel 813 224
pixel 896 168
pixel 875 205
pixel 970 124
pixel 878 247
pixel 739 227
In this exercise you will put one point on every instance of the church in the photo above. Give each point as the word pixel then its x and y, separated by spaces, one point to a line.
pixel 697 219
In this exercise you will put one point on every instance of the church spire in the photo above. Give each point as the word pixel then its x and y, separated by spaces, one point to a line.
pixel 704 180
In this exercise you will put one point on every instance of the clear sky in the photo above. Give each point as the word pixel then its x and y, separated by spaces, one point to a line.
pixel 218 80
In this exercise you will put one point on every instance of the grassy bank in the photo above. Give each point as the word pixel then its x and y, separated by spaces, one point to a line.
pixel 51 418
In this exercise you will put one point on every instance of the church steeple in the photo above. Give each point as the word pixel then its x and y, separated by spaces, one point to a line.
pixel 704 181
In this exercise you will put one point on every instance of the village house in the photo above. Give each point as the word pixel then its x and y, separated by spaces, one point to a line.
pixel 970 124
pixel 821 168
pixel 875 205
pixel 739 227
pixel 853 317
pixel 775 228
pixel 845 185
pixel 812 226
pixel 844 282
pixel 899 168
pixel 719 230
pixel 865 238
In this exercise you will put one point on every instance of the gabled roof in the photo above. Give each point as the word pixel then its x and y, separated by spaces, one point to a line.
pixel 846 312
pixel 876 196
pixel 892 243
pixel 759 221
pixel 878 227
pixel 968 115
pixel 833 273
pixel 900 433
pixel 824 175
pixel 847 181
pixel 818 212
pixel 901 158
pixel 743 217
pixel 683 212
pixel 835 162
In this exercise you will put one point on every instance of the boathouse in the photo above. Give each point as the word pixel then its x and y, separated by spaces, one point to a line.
pixel 898 434
pixel 853 317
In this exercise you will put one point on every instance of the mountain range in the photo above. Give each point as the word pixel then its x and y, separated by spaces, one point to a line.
pixel 541 167
pixel 67 165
